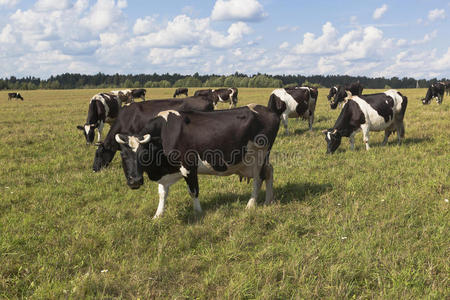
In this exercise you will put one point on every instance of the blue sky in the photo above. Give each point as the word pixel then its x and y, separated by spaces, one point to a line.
pixel 371 38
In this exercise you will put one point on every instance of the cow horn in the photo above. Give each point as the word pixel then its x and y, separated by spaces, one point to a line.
pixel 324 131
pixel 334 131
pixel 145 139
pixel 119 139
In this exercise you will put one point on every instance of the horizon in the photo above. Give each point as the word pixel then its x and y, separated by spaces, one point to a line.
pixel 47 38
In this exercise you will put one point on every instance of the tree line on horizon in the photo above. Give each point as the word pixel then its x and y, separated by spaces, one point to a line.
pixel 100 80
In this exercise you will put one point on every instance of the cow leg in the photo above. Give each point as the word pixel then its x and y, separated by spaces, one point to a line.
pixel 311 121
pixel 387 133
pixel 352 140
pixel 100 129
pixel 256 188
pixel 192 182
pixel 269 183
pixel 284 118
pixel 163 191
pixel 365 131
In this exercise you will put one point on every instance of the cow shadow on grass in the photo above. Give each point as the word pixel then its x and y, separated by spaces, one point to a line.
pixel 290 192
pixel 314 130
pixel 413 141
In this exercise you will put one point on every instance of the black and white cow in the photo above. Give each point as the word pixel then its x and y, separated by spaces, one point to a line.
pixel 14 96
pixel 180 91
pixel 138 93
pixel 124 96
pixel 376 112
pixel 132 119
pixel 436 90
pixel 226 95
pixel 447 87
pixel 339 93
pixel 294 102
pixel 177 145
pixel 103 108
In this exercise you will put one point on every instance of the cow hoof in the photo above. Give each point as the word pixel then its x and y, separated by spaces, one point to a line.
pixel 251 204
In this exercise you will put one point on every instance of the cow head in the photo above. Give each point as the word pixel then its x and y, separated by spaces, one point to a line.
pixel 341 95
pixel 332 92
pixel 428 96
pixel 133 154
pixel 333 139
pixel 88 131
pixel 103 157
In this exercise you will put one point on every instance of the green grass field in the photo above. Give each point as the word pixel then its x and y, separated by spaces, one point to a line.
pixel 355 224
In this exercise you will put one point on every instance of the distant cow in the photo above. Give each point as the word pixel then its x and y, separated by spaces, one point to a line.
pixel 103 108
pixel 447 87
pixel 178 145
pixel 228 95
pixel 138 93
pixel 134 117
pixel 339 93
pixel 14 96
pixel 124 96
pixel 180 91
pixel 376 112
pixel 294 102
pixel 436 90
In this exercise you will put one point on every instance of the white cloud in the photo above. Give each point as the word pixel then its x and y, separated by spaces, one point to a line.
pixel 435 14
pixel 284 45
pixel 102 15
pixel 243 10
pixel 379 12
pixel 428 37
pixel 145 25
pixel 9 3
pixel 51 5
pixel 288 28
pixel 322 44
pixel 6 35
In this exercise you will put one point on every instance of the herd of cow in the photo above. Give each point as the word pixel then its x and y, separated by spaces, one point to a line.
pixel 173 139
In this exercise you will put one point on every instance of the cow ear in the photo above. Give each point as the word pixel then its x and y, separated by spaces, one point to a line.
pixel 80 127
pixel 121 138
pixel 144 139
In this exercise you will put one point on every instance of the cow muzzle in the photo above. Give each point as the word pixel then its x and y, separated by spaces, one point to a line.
pixel 134 184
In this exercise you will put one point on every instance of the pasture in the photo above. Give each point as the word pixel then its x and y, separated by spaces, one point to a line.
pixel 354 224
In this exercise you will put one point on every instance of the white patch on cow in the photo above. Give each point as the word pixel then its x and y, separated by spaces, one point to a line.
pixel 184 171
pixel 165 114
pixel 374 121
pixel 133 142
pixel 102 100
pixel 291 104
pixel 220 99
pixel 252 106
pixel 87 128
pixel 398 100
pixel 169 179
pixel 329 135
pixel 335 89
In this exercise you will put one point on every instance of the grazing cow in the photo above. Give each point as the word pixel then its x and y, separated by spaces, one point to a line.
pixel 436 90
pixel 294 102
pixel 447 87
pixel 124 96
pixel 177 145
pixel 14 96
pixel 339 93
pixel 376 112
pixel 132 119
pixel 180 91
pixel 138 93
pixel 228 95
pixel 103 108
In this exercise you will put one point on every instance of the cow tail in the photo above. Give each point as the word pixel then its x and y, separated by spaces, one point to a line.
pixel 276 105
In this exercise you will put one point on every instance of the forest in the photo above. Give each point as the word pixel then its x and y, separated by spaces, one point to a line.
pixel 101 80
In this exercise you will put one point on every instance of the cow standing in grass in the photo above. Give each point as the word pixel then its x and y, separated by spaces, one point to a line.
pixel 103 108
pixel 177 145
pixel 138 93
pixel 294 102
pixel 226 95
pixel 436 90
pixel 134 117
pixel 376 112
pixel 180 91
pixel 14 96
pixel 124 96
pixel 339 93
